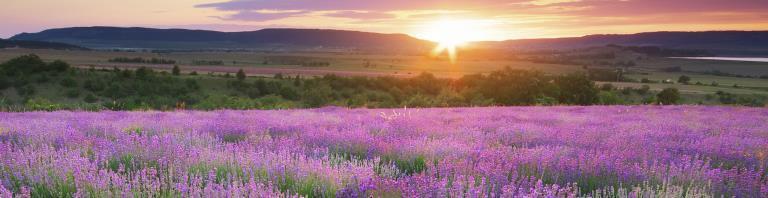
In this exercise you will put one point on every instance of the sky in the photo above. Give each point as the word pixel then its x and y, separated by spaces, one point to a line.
pixel 487 19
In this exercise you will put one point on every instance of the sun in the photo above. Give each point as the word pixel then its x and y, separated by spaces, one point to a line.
pixel 451 34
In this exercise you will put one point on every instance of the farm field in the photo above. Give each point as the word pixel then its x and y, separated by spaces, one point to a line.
pixel 600 151
pixel 345 64
pixel 354 64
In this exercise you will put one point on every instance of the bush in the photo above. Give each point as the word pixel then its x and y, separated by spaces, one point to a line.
pixel 607 87
pixel 609 98
pixel 41 104
pixel 176 71
pixel 627 90
pixel 93 85
pixel 240 75
pixel 646 80
pixel 668 96
pixel 72 93
pixel 90 98
pixel 644 90
pixel 59 66
pixel 43 78
pixel 26 90
pixel 577 89
pixel 23 64
pixel 68 82
pixel 5 83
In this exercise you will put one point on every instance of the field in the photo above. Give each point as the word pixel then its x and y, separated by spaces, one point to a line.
pixel 409 65
pixel 635 151
pixel 341 63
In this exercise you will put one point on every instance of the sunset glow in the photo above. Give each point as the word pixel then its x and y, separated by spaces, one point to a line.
pixel 506 19
pixel 451 34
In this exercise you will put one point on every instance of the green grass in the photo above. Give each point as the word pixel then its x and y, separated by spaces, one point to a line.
pixel 406 165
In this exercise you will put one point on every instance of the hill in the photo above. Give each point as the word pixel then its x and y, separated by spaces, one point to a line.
pixel 38 45
pixel 135 37
pixel 719 42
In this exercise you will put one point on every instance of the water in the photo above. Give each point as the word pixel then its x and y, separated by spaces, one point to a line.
pixel 748 59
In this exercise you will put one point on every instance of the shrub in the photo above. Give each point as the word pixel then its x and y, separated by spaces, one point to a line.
pixel 93 85
pixel 43 78
pixel 644 90
pixel 5 83
pixel 668 96
pixel 607 87
pixel 176 71
pixel 26 90
pixel 240 75
pixel 577 89
pixel 90 98
pixel 684 79
pixel 609 98
pixel 627 90
pixel 59 66
pixel 68 82
pixel 72 93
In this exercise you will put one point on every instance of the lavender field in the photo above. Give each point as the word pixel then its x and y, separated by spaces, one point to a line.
pixel 619 151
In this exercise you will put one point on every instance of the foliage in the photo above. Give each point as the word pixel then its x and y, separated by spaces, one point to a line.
pixel 668 96
pixel 240 75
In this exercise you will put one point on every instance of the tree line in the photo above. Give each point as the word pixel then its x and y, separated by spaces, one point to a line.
pixel 56 85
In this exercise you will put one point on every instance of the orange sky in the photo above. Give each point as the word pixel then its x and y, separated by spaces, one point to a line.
pixel 495 19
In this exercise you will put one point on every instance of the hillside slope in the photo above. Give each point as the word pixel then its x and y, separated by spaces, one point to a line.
pixel 38 45
pixel 722 42
pixel 118 37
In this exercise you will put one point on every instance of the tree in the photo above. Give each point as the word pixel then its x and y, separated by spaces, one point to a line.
pixel 684 79
pixel 143 72
pixel 577 89
pixel 297 81
pixel 644 90
pixel 176 71
pixel 59 65
pixel 240 74
pixel 668 96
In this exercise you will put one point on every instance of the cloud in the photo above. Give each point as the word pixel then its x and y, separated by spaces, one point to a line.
pixel 361 15
pixel 378 5
pixel 258 16
pixel 524 18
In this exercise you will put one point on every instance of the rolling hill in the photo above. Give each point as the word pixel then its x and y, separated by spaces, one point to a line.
pixel 37 45
pixel 135 37
pixel 719 42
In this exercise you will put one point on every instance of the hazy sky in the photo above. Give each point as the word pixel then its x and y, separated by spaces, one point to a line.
pixel 498 19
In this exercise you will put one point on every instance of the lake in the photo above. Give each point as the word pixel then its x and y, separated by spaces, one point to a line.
pixel 748 59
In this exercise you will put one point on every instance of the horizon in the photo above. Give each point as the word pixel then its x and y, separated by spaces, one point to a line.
pixel 411 35
pixel 490 20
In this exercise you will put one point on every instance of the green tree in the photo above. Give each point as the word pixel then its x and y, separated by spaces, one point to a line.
pixel 240 74
pixel 59 66
pixel 668 96
pixel 684 79
pixel 644 90
pixel 577 89
pixel 318 95
pixel 176 71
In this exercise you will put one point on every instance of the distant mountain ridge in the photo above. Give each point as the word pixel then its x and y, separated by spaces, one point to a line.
pixel 717 41
pixel 38 45
pixel 137 37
